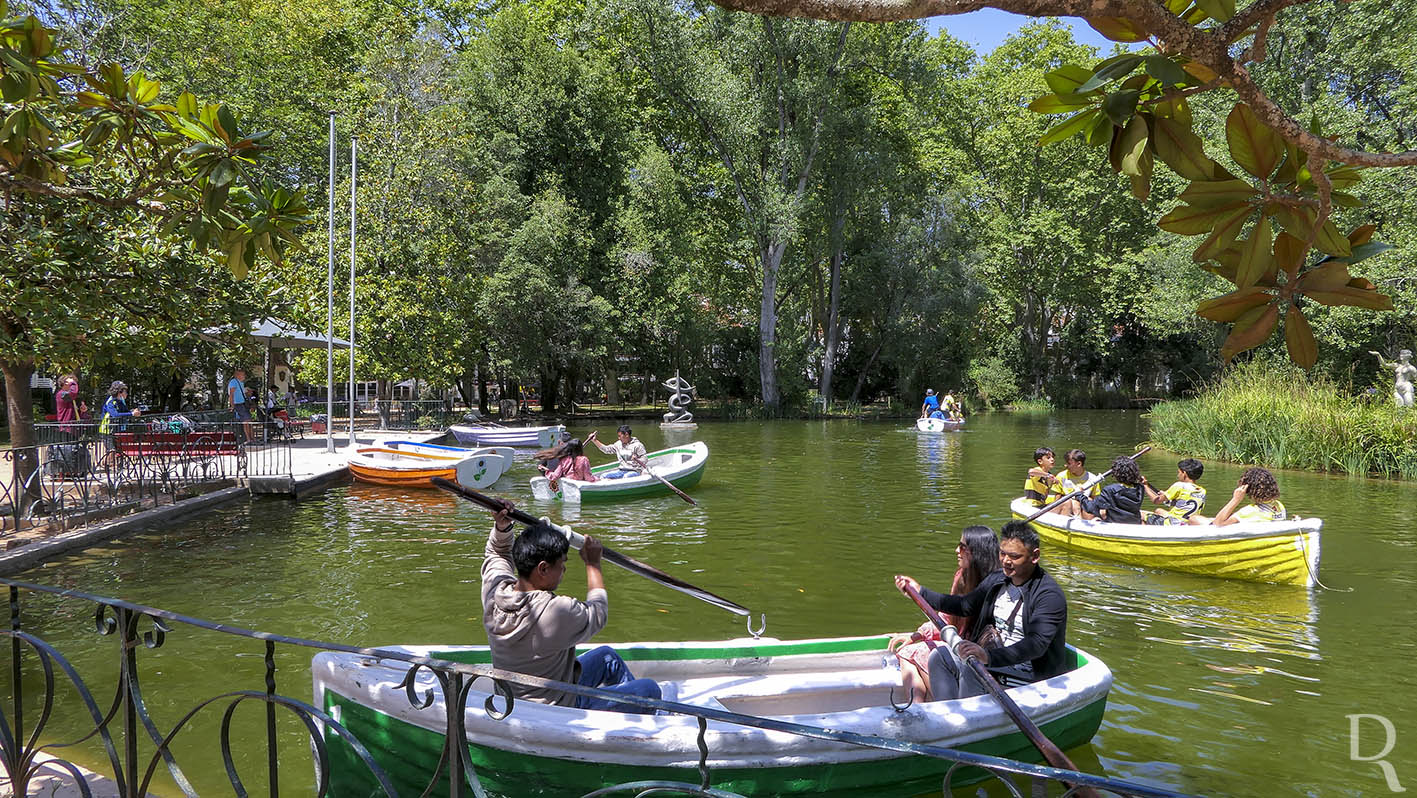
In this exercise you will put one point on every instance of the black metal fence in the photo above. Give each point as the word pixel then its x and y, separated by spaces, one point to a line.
pixel 78 473
pixel 137 746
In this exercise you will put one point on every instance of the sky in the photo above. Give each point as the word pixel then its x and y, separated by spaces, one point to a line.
pixel 987 28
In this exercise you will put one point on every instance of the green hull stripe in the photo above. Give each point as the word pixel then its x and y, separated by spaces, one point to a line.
pixel 409 754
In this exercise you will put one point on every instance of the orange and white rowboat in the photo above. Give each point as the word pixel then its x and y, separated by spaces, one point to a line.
pixel 381 465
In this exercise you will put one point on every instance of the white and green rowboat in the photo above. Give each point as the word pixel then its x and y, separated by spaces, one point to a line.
pixel 843 684
pixel 682 466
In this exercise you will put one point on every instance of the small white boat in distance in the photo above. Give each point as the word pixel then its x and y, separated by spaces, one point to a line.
pixel 516 437
pixel 938 424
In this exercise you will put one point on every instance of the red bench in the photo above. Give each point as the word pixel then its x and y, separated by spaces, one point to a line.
pixel 185 451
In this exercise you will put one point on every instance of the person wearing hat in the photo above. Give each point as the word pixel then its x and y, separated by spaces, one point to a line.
pixel 931 407
pixel 115 407
pixel 68 408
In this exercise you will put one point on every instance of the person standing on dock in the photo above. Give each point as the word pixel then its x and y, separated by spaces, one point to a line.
pixel 532 630
pixel 628 449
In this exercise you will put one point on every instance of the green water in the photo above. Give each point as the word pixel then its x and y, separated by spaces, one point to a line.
pixel 1222 687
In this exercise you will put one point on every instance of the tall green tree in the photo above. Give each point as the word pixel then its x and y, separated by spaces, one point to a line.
pixel 103 177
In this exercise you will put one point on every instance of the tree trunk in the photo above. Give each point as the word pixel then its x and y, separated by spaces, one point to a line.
pixel 19 410
pixel 834 303
pixel 866 370
pixel 482 390
pixel 767 326
pixel 612 386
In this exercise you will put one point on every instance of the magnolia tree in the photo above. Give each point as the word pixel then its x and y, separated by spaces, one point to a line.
pixel 1268 230
pixel 116 201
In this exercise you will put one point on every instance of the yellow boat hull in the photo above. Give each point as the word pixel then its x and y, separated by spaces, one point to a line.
pixel 1281 552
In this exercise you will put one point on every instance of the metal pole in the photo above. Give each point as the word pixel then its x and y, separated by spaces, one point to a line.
pixel 330 310
pixel 353 178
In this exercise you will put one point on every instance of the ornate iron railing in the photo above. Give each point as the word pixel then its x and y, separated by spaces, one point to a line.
pixel 137 748
pixel 77 474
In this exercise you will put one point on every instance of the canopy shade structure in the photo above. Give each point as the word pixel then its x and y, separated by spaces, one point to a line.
pixel 276 334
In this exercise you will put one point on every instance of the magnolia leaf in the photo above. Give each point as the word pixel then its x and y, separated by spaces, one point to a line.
pixel 1176 7
pixel 1133 146
pixel 1067 79
pixel 1181 149
pixel 1141 184
pixel 1289 253
pixel 1326 277
pixel 1299 338
pixel 1110 70
pixel 1255 255
pixel 1100 133
pixel 1121 105
pixel 186 105
pixel 1176 108
pixel 1165 70
pixel 1217 192
pixel 1218 10
pixel 1118 29
pixel 1354 297
pixel 1059 103
pixel 1253 145
pixel 1229 307
pixel 1190 220
pixel 1250 330
pixel 1331 241
pixel 1362 284
pixel 1200 71
pixel 1223 234
pixel 1345 200
pixel 1362 234
pixel 1345 176
pixel 1074 124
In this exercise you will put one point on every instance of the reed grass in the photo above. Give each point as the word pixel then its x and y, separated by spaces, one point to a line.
pixel 1278 416
pixel 1032 407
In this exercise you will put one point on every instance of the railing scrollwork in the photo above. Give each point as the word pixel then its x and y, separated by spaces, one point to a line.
pixel 127 727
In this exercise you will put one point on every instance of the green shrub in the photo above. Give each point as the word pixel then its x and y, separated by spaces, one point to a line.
pixel 1279 416
pixel 993 380
pixel 1040 407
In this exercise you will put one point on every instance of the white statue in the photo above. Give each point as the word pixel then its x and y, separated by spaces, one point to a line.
pixel 1405 375
pixel 679 400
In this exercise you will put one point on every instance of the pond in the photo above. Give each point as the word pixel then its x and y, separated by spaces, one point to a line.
pixel 1222 687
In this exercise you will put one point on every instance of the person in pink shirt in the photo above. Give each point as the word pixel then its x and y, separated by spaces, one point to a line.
pixel 574 464
pixel 67 406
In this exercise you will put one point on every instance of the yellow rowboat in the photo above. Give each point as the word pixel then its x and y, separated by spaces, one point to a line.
pixel 1282 552
pixel 471 468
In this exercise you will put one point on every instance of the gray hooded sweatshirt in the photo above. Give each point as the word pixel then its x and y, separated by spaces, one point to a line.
pixel 535 632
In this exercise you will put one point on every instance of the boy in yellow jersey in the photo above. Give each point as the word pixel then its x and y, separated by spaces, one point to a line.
pixel 1040 481
pixel 1072 479
pixel 1184 499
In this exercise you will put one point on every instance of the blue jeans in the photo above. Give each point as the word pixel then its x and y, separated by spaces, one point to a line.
pixel 621 472
pixel 602 667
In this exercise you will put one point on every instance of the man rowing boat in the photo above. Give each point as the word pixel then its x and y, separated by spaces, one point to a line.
pixel 628 449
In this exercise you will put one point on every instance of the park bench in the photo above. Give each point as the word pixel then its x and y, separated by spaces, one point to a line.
pixel 169 455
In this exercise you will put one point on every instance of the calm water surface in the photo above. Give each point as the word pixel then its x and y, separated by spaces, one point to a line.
pixel 1222 688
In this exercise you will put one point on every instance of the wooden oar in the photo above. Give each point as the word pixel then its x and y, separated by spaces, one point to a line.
pixel 1045 746
pixel 644 463
pixel 610 555
pixel 1084 489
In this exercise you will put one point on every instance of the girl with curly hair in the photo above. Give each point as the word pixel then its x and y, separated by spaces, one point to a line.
pixel 1259 485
